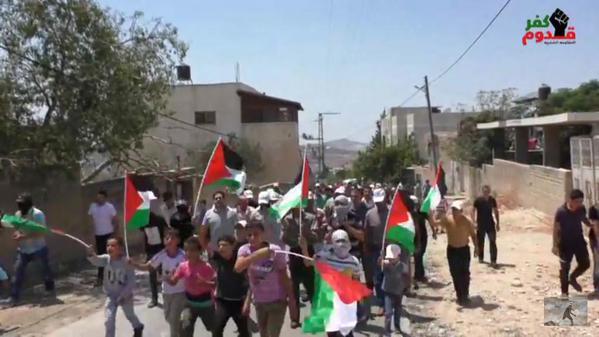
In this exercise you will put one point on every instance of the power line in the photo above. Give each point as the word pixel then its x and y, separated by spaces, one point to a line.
pixel 472 44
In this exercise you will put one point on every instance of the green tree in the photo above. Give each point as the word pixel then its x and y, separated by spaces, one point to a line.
pixel 379 163
pixel 585 98
pixel 78 79
pixel 472 145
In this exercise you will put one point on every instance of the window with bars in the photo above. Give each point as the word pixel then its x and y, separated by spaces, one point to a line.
pixel 205 117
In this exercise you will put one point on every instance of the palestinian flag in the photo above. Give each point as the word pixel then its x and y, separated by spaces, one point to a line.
pixel 225 168
pixel 137 206
pixel 400 226
pixel 297 196
pixel 21 224
pixel 335 301
pixel 434 196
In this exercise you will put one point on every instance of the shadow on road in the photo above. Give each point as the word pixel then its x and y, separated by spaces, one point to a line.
pixel 367 329
pixel 428 297
pixel 478 302
pixel 415 318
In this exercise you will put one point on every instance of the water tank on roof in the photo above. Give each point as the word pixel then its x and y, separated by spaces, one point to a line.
pixel 183 73
pixel 544 92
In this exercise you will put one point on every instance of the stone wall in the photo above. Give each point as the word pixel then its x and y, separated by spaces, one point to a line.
pixel 534 186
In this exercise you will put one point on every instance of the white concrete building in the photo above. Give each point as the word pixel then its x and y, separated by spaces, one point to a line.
pixel 203 112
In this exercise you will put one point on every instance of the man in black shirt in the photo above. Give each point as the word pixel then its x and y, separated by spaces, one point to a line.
pixel 485 207
pixel 594 241
pixel 181 221
pixel 231 289
pixel 568 240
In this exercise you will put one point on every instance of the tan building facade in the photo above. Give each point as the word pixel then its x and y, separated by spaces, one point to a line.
pixel 203 113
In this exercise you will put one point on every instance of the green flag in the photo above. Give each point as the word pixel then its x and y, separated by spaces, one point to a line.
pixel 18 223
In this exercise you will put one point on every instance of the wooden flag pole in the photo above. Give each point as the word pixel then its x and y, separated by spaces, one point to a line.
pixel 387 224
pixel 196 203
pixel 301 204
pixel 124 215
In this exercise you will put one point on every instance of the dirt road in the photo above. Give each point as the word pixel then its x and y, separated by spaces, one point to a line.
pixel 508 301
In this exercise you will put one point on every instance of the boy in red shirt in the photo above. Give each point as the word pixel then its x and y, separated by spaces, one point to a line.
pixel 199 279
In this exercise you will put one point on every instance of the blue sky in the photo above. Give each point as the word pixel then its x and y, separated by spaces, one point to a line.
pixel 358 57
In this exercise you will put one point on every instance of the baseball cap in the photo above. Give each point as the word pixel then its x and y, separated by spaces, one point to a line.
pixel 458 204
pixel 264 197
pixel 340 190
pixel 378 195
pixel 248 194
pixel 181 202
pixel 273 195
pixel 242 223
pixel 392 251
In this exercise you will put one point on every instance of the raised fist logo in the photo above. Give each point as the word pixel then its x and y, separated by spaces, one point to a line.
pixel 559 20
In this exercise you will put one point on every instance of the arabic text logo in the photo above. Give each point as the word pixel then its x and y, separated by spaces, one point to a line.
pixel 559 20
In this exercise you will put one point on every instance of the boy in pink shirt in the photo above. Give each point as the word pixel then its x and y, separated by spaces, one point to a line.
pixel 199 279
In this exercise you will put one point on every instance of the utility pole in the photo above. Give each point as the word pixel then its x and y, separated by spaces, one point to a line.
pixel 430 124
pixel 322 165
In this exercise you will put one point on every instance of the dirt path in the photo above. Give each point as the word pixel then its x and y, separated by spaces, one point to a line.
pixel 508 301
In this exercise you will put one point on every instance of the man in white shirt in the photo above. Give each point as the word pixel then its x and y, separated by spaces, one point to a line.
pixel 105 222
pixel 168 207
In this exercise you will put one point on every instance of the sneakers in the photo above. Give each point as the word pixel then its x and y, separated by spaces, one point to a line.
pixel 575 285
pixel 464 302
pixel 152 304
pixel 138 332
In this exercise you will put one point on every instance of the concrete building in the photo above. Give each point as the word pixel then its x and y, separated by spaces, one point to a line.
pixel 203 112
pixel 403 122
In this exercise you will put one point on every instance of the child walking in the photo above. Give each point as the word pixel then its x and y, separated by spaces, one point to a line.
pixel 198 277
pixel 231 289
pixel 173 296
pixel 396 274
pixel 118 284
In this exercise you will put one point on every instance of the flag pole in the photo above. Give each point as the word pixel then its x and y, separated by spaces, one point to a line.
pixel 124 214
pixel 196 203
pixel 387 223
pixel 302 194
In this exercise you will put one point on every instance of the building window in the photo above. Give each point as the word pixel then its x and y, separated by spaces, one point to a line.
pixel 205 117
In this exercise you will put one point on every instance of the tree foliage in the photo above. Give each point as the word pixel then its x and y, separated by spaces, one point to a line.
pixel 585 98
pixel 78 79
pixel 472 145
pixel 385 163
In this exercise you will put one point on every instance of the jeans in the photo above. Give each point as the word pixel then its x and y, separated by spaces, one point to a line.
pixel 21 265
pixel 459 267
pixel 153 273
pixel 567 252
pixel 101 241
pixel 271 317
pixel 392 312
pixel 595 250
pixel 300 274
pixel 110 314
pixel 492 234
pixel 226 309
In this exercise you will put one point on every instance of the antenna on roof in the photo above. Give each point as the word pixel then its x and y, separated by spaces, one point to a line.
pixel 237 72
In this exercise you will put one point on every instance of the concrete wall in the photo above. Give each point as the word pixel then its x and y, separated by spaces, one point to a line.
pixel 280 150
pixel 61 200
pixel 534 186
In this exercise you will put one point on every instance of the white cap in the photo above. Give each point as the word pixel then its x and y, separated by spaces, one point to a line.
pixel 181 202
pixel 458 204
pixel 378 185
pixel 248 194
pixel 273 195
pixel 392 251
pixel 242 223
pixel 414 198
pixel 340 190
pixel 339 234
pixel 264 197
pixel 342 199
pixel 378 195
